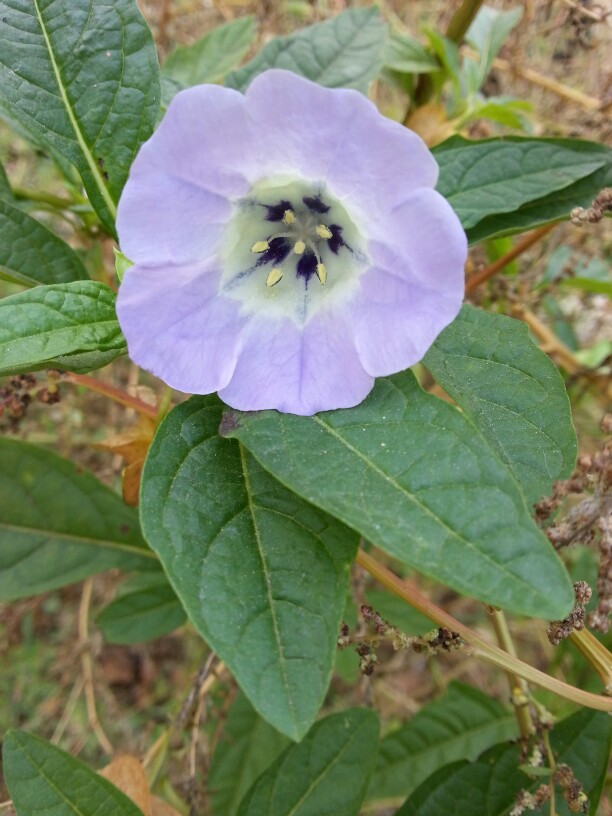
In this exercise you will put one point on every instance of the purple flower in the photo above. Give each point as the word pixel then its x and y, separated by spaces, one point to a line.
pixel 288 247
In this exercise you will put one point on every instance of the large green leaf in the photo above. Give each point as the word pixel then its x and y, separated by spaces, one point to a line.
pixel 497 176
pixel 344 52
pixel 553 207
pixel 248 744
pixel 459 725
pixel 58 524
pixel 83 78
pixel 412 475
pixel 146 608
pixel 45 781
pixel 30 254
pixel 211 57
pixel 512 392
pixel 47 326
pixel 488 787
pixel 325 775
pixel 261 574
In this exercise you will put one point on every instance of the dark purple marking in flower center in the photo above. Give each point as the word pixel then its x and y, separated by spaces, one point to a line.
pixel 276 253
pixel 316 204
pixel 336 241
pixel 306 267
pixel 277 211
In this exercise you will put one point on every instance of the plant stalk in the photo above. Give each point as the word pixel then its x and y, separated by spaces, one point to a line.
pixel 462 20
pixel 479 648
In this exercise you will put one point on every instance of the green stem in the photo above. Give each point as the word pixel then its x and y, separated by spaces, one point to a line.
pixel 519 690
pixel 479 648
pixel 56 202
pixel 462 20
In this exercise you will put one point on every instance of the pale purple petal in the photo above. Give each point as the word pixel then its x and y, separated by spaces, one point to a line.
pixel 415 287
pixel 338 136
pixel 178 327
pixel 164 220
pixel 297 370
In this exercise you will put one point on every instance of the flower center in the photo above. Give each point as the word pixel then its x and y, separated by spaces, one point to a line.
pixel 294 234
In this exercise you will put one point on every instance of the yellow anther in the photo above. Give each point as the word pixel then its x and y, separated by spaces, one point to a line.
pixel 299 247
pixel 288 217
pixel 321 272
pixel 274 275
pixel 260 246
pixel 323 231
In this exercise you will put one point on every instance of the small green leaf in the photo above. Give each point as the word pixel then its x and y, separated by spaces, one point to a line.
pixel 58 524
pixel 344 52
pixel 149 610
pixel 327 773
pixel 50 326
pixel 45 781
pixel 495 176
pixel 6 192
pixel 488 787
pixel 122 264
pixel 407 55
pixel 487 34
pixel 459 725
pixel 512 392
pixel 248 744
pixel 244 556
pixel 211 57
pixel 82 77
pixel 31 254
pixel 411 474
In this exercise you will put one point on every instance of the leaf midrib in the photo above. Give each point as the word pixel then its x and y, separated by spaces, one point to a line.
pixel 93 168
pixel 132 549
pixel 279 646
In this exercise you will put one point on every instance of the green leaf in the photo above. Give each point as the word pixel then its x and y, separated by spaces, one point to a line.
pixel 211 57
pixel 243 555
pixel 31 254
pixel 83 78
pixel 58 524
pixel 248 744
pixel 344 52
pixel 54 326
pixel 45 781
pixel 148 610
pixel 6 192
pixel 407 55
pixel 512 392
pixel 122 263
pixel 327 773
pixel 459 725
pixel 487 34
pixel 488 787
pixel 496 176
pixel 409 473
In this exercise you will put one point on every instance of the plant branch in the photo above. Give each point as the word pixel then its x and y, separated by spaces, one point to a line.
pixel 87 667
pixel 519 690
pixel 462 20
pixel 115 394
pixel 524 244
pixel 479 647
pixel 58 203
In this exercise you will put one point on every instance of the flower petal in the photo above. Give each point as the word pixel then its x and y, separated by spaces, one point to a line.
pixel 178 327
pixel 415 287
pixel 339 136
pixel 177 195
pixel 298 370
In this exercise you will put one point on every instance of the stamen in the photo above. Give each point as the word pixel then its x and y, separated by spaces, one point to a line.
pixel 260 246
pixel 289 217
pixel 274 275
pixel 324 232
pixel 299 247
pixel 321 273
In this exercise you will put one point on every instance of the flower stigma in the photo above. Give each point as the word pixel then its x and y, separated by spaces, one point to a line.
pixel 296 234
